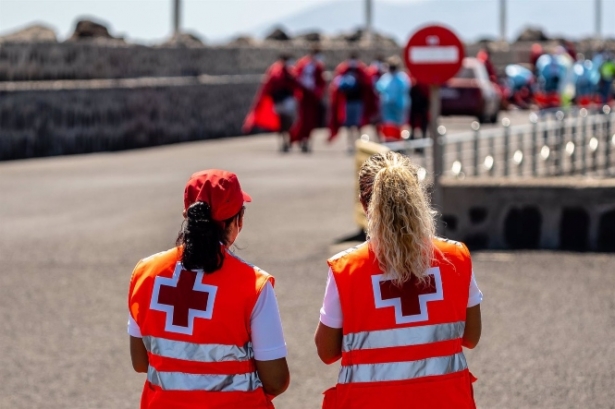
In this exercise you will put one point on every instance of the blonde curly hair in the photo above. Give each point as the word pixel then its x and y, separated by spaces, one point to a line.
pixel 400 223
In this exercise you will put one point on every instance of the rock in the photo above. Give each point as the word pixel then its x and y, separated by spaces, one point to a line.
pixel 32 34
pixel 185 40
pixel 243 41
pixel 532 34
pixel 278 35
pixel 87 30
pixel 354 37
pixel 486 40
pixel 312 37
pixel 90 29
pixel 382 39
pixel 359 36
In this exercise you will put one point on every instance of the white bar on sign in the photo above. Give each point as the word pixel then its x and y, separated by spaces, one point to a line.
pixel 434 55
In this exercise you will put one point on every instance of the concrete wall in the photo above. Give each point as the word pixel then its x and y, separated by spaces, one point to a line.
pixel 555 213
pixel 90 60
pixel 86 60
pixel 54 122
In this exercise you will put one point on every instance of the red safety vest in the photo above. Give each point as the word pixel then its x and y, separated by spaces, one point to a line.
pixel 402 346
pixel 196 329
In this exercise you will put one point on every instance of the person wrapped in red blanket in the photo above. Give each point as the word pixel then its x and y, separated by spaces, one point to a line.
pixel 275 104
pixel 309 72
pixel 353 99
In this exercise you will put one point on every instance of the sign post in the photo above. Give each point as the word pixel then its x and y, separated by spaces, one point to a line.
pixel 176 16
pixel 436 150
pixel 433 55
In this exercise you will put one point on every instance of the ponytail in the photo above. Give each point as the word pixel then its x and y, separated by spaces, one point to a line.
pixel 202 238
pixel 400 223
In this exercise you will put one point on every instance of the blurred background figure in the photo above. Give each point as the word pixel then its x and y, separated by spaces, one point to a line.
pixel 570 49
pixel 377 69
pixel 519 83
pixel 393 89
pixel 353 100
pixel 586 80
pixel 607 75
pixel 500 88
pixel 555 79
pixel 566 85
pixel 484 56
pixel 310 74
pixel 419 108
pixel 275 104
pixel 598 59
pixel 549 73
pixel 535 52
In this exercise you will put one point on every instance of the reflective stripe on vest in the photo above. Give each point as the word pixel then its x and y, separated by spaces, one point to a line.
pixel 179 381
pixel 400 337
pixel 398 371
pixel 188 351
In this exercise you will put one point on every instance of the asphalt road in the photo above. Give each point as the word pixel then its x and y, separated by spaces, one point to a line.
pixel 72 229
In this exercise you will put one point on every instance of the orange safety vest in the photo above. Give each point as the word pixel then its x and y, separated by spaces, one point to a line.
pixel 196 329
pixel 402 346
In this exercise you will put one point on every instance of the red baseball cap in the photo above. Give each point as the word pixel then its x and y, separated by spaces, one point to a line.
pixel 220 189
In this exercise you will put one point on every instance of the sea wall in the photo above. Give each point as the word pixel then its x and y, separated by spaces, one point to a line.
pixel 89 60
pixel 102 116
pixel 41 61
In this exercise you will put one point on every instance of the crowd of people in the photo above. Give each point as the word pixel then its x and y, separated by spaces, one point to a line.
pixel 560 77
pixel 295 99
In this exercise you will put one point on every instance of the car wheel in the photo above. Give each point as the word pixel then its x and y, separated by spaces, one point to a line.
pixel 493 118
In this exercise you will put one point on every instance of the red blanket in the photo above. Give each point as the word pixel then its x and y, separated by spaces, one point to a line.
pixel 310 100
pixel 262 116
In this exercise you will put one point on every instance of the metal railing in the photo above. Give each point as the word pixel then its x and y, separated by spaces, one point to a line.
pixel 560 142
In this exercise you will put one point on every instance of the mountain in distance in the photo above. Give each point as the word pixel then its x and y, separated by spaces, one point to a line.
pixel 471 19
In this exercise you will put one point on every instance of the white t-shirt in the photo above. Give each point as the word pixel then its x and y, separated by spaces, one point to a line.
pixel 307 76
pixel 267 336
pixel 331 310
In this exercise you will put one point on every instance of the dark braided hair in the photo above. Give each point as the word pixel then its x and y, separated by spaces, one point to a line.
pixel 202 237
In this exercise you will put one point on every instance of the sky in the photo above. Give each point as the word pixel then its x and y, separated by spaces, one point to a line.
pixel 149 21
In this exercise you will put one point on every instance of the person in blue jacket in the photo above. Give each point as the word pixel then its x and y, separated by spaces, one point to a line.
pixel 394 90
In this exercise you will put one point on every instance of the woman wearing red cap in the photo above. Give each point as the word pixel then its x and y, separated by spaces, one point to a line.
pixel 204 325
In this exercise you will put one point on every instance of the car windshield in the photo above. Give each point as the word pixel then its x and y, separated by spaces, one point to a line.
pixel 466 72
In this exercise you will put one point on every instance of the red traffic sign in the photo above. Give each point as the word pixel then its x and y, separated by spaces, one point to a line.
pixel 434 55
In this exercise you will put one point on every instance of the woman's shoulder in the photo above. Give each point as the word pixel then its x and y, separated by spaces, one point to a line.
pixel 241 266
pixel 148 268
pixel 403 77
pixel 452 252
pixel 161 259
pixel 452 247
pixel 352 251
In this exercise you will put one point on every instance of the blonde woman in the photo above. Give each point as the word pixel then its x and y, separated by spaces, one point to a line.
pixel 399 308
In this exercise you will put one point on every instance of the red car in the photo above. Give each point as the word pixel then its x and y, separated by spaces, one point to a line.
pixel 470 92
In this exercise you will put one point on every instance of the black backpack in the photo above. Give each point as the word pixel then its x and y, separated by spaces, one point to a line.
pixel 349 85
